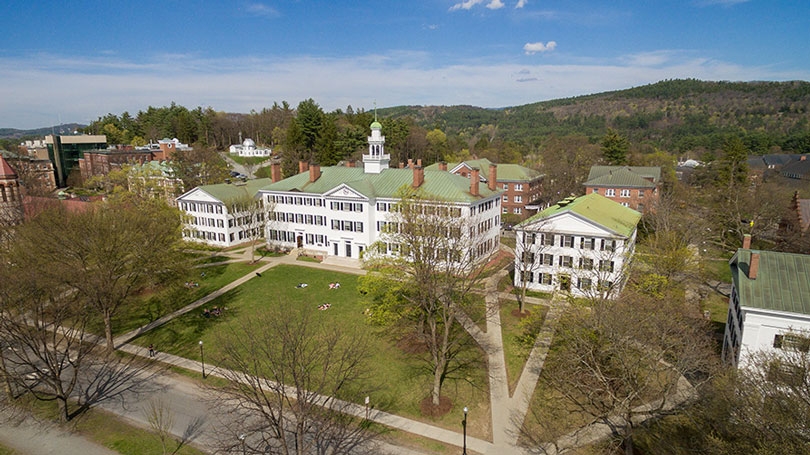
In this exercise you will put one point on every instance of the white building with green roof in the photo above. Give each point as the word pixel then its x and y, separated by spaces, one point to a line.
pixel 769 306
pixel 579 245
pixel 209 220
pixel 341 211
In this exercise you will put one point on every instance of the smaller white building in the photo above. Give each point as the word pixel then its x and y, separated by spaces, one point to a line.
pixel 248 148
pixel 769 306
pixel 208 218
pixel 579 245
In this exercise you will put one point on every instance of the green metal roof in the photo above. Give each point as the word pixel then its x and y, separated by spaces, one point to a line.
pixel 230 191
pixel 624 176
pixel 597 209
pixel 506 172
pixel 442 185
pixel 782 282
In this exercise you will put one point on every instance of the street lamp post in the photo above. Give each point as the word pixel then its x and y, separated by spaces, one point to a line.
pixel 464 425
pixel 242 441
pixel 202 359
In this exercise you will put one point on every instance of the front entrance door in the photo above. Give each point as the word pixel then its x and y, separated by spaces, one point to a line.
pixel 336 249
pixel 300 241
pixel 348 249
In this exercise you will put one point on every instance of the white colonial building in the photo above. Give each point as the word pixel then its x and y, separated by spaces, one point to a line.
pixel 579 245
pixel 248 148
pixel 769 306
pixel 208 218
pixel 342 210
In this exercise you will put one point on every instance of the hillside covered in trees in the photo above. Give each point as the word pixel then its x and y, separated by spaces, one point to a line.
pixel 675 117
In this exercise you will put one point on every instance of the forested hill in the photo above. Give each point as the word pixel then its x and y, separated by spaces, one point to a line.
pixel 673 115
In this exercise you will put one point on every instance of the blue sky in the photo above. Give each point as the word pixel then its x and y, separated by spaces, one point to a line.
pixel 75 61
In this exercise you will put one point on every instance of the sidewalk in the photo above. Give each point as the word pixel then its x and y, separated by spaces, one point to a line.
pixel 33 437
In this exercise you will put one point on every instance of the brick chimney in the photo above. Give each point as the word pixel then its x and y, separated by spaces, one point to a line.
pixel 314 172
pixel 747 241
pixel 302 166
pixel 493 177
pixel 474 181
pixel 419 162
pixel 753 266
pixel 401 165
pixel 350 163
pixel 418 176
pixel 275 172
pixel 410 163
pixel 443 166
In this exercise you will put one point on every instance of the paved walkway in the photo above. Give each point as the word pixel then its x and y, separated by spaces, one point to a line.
pixel 34 437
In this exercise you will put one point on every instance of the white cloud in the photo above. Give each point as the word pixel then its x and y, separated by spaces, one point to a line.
pixel 521 4
pixel 495 4
pixel 260 9
pixel 533 48
pixel 40 89
pixel 466 4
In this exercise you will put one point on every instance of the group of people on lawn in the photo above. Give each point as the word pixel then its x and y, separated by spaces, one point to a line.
pixel 216 311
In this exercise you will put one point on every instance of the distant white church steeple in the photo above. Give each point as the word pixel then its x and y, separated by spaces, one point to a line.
pixel 377 159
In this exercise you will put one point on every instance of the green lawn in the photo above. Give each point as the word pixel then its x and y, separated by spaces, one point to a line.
pixel 515 353
pixel 163 301
pixel 400 377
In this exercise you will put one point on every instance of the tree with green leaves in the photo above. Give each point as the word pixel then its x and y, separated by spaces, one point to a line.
pixel 615 147
pixel 49 350
pixel 108 254
pixel 431 249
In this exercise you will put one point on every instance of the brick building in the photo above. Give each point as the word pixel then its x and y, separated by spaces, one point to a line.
pixel 635 187
pixel 521 186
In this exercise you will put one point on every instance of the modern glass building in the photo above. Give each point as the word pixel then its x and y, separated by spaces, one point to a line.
pixel 65 151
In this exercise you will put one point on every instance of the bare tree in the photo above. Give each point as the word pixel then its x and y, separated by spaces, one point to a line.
pixel 161 421
pixel 107 254
pixel 48 351
pixel 286 369
pixel 440 254
pixel 622 362
pixel 764 407
pixel 530 247
pixel 252 215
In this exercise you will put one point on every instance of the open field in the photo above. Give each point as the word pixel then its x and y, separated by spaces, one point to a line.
pixel 399 379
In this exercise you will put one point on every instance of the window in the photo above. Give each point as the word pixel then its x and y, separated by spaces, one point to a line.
pixel 587 243
pixel 518 198
pixel 505 210
pixel 548 239
pixel 586 263
pixel 548 259
pixel 595 191
pixel 640 208
pixel 625 193
pixel 544 278
pixel 516 211
pixel 606 266
pixel 610 192
pixel 791 341
pixel 608 245
pixel 566 261
pixel 518 187
pixel 640 193
pixel 506 186
pixel 625 204
pixel 505 198
pixel 584 284
pixel 528 277
pixel 568 241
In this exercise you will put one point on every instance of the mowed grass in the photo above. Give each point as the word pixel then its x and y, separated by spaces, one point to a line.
pixel 399 380
pixel 515 353
pixel 161 301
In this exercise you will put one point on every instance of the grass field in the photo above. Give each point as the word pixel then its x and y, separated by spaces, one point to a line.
pixel 159 302
pixel 515 354
pixel 401 378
